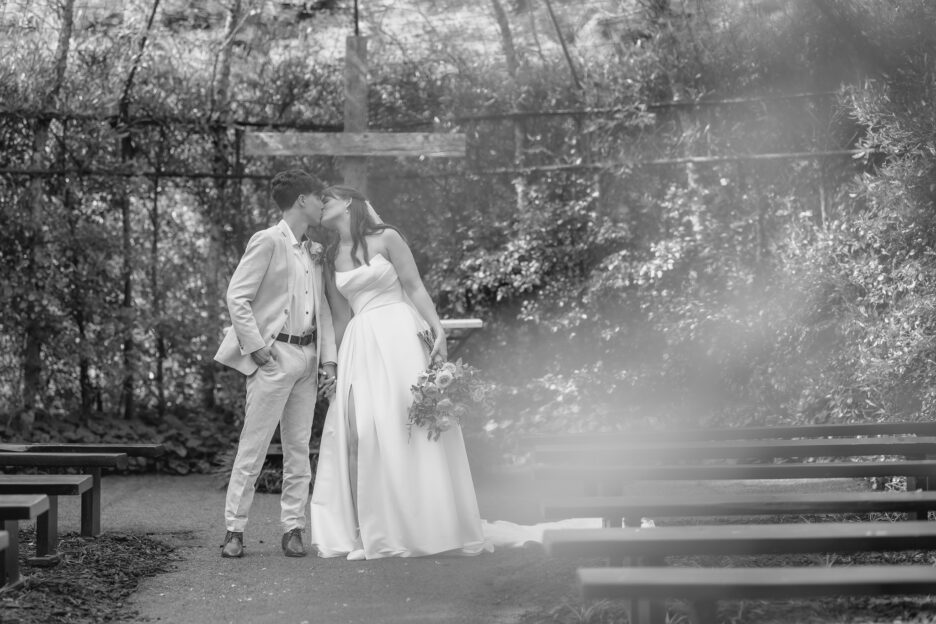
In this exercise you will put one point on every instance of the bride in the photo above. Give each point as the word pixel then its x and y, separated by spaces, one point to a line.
pixel 380 492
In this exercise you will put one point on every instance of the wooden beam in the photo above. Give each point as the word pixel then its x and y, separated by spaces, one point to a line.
pixel 355 144
pixel 471 323
pixel 354 166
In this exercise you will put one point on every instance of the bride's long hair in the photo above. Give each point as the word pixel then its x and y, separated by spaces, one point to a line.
pixel 363 225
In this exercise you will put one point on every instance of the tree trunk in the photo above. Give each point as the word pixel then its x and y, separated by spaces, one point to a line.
pixel 223 200
pixel 128 314
pixel 123 201
pixel 37 327
pixel 156 296
pixel 510 52
pixel 78 304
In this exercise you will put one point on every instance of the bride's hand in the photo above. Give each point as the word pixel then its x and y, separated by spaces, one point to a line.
pixel 326 388
pixel 439 348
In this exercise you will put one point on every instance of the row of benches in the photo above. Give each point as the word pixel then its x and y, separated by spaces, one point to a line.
pixel 25 497
pixel 603 464
pixel 34 498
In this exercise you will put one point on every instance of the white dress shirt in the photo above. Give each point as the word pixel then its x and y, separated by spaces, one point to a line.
pixel 301 317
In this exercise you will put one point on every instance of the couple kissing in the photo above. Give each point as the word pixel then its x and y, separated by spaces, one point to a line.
pixel 341 322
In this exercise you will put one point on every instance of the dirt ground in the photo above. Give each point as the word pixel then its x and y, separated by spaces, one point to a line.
pixel 514 586
pixel 509 586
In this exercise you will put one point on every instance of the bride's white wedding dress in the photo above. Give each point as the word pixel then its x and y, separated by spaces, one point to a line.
pixel 379 491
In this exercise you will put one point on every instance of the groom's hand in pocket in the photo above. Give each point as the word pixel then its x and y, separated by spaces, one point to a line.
pixel 263 355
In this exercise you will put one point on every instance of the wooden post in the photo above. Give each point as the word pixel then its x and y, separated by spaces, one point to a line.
pixel 354 168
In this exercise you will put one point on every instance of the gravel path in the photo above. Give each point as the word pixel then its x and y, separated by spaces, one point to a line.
pixel 515 586
pixel 504 587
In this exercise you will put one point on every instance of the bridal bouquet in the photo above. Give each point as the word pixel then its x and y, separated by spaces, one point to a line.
pixel 444 395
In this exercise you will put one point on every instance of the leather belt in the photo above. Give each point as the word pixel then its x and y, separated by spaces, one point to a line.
pixel 297 340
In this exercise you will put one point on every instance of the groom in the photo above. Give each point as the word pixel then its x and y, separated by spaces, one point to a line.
pixel 282 329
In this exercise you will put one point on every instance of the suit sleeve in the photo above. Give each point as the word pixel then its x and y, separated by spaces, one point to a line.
pixel 243 289
pixel 329 352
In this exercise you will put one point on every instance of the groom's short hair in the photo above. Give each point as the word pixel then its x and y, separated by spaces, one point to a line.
pixel 287 186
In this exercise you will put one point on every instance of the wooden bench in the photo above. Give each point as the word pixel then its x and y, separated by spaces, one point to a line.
pixel 92 463
pixel 616 475
pixel 52 486
pixel 628 510
pixel 603 468
pixel 704 586
pixel 740 451
pixel 747 450
pixel 458 331
pixel 620 544
pixel 14 508
pixel 927 428
pixel 131 450
pixel 651 546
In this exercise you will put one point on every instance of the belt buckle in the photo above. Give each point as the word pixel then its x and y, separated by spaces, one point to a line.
pixel 298 340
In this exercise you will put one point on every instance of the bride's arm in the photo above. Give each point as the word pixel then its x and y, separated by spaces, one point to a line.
pixel 340 309
pixel 402 258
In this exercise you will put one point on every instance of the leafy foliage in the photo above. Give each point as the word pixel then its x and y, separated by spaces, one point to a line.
pixel 635 291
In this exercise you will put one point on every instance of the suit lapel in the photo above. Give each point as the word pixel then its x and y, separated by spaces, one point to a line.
pixel 290 278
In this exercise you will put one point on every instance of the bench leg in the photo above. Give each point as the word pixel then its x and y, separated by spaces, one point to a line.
pixel 9 572
pixel 652 611
pixel 647 612
pixel 704 612
pixel 91 507
pixel 47 537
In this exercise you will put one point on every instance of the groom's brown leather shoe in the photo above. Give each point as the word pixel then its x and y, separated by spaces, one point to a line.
pixel 233 545
pixel 292 544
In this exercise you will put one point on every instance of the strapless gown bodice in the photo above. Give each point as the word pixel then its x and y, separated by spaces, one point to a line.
pixel 370 286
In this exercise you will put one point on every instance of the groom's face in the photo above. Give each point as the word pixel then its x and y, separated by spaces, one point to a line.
pixel 312 207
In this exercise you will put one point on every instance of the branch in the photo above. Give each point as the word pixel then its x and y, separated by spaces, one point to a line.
pixel 124 103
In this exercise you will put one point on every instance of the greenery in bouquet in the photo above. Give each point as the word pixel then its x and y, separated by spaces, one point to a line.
pixel 447 394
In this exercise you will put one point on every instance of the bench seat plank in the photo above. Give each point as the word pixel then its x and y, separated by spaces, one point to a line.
pixel 132 450
pixel 22 506
pixel 703 472
pixel 13 508
pixel 658 583
pixel 616 543
pixel 55 485
pixel 455 324
pixel 644 452
pixel 734 505
pixel 65 460
pixel 927 428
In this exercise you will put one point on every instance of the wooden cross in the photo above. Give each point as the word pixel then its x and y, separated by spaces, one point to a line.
pixel 355 144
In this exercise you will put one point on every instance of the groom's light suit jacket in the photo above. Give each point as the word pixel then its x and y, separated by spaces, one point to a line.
pixel 258 300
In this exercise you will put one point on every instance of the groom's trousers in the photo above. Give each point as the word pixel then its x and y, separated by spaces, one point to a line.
pixel 281 391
